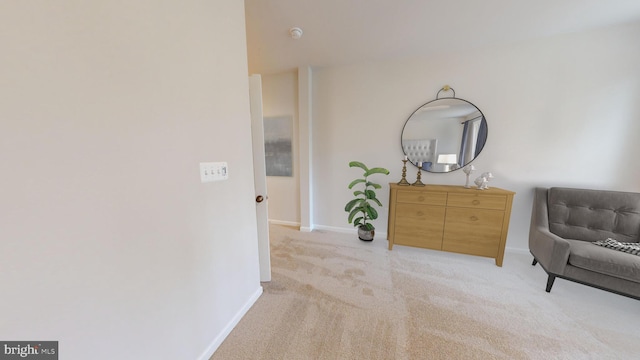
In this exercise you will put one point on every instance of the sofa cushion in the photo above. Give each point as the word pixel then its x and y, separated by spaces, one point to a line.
pixel 596 258
pixel 593 215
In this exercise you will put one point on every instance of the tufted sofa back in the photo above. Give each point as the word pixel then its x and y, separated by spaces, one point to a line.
pixel 593 215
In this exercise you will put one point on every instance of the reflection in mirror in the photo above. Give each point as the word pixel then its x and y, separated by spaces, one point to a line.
pixel 444 134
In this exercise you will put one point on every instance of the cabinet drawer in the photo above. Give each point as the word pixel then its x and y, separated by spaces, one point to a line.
pixel 419 225
pixel 422 197
pixel 473 231
pixel 495 202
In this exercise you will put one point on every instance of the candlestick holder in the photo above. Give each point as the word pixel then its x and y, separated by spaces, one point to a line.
pixel 468 170
pixel 403 181
pixel 419 177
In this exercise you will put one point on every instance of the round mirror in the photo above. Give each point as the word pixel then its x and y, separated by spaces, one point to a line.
pixel 444 135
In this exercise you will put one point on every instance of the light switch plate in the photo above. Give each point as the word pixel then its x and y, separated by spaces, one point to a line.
pixel 213 171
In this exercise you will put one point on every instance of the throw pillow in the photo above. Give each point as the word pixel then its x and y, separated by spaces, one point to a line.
pixel 629 248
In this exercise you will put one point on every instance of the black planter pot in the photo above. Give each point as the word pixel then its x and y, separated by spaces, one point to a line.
pixel 364 234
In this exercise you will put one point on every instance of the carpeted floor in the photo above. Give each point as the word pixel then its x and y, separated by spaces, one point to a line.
pixel 333 296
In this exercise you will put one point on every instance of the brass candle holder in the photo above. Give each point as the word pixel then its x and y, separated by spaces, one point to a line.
pixel 419 176
pixel 403 181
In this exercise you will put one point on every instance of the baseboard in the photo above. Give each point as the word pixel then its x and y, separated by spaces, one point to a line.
pixel 343 230
pixel 337 229
pixel 353 230
pixel 232 324
pixel 285 223
pixel 350 230
pixel 517 250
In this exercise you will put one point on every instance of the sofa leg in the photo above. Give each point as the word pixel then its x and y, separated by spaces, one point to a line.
pixel 550 281
pixel 534 262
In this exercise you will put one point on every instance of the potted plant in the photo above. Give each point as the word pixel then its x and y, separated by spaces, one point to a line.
pixel 361 210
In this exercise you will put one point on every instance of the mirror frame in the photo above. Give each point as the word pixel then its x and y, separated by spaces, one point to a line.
pixel 484 120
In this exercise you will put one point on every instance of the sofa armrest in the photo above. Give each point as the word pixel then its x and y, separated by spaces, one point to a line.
pixel 550 250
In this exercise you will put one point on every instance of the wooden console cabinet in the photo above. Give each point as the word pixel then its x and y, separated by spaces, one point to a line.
pixel 450 218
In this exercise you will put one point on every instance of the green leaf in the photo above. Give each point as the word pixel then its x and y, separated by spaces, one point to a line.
pixel 377 170
pixel 351 204
pixel 377 202
pixel 357 193
pixel 357 221
pixel 353 213
pixel 370 194
pixel 356 181
pixel 373 214
pixel 359 164
pixel 368 226
pixel 374 185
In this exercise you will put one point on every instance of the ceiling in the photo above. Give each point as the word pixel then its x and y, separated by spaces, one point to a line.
pixel 353 31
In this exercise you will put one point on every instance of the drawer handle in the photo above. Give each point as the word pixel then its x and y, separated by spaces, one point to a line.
pixel 476 202
pixel 420 198
pixel 420 213
pixel 474 218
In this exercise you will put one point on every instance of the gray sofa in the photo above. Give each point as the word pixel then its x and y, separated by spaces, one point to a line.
pixel 564 224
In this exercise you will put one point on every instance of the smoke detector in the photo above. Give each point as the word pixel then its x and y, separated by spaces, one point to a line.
pixel 296 33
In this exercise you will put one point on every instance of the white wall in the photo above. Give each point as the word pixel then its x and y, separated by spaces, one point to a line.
pixel 561 111
pixel 109 243
pixel 280 98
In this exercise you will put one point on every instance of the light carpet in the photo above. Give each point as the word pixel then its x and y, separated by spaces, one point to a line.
pixel 333 296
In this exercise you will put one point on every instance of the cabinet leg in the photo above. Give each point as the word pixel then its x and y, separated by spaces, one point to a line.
pixel 534 262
